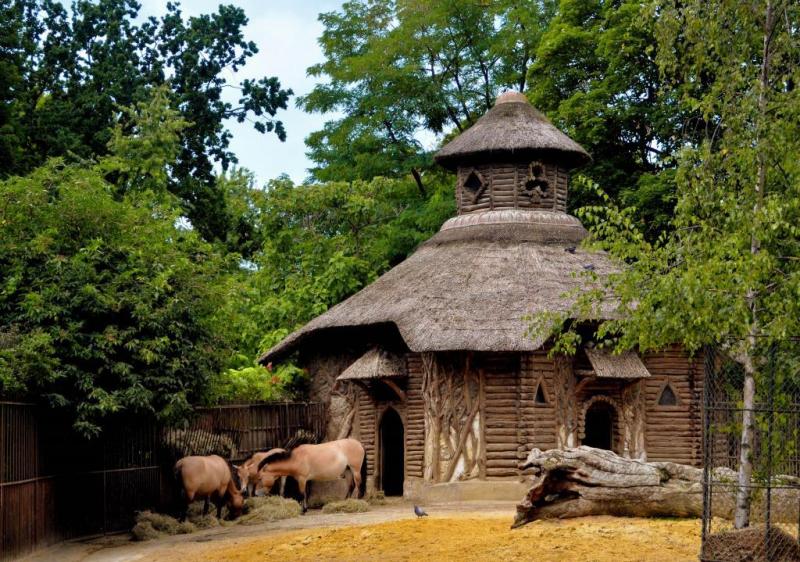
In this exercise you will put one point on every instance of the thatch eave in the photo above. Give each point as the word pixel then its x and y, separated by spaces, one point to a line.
pixel 473 286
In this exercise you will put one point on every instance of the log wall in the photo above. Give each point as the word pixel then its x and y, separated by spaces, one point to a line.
pixel 504 188
pixel 502 405
pixel 368 430
pixel 537 421
pixel 674 433
pixel 415 418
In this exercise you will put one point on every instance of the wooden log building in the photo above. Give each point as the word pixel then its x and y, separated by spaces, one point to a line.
pixel 431 366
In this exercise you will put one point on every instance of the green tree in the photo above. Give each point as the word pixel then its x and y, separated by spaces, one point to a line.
pixel 396 69
pixel 595 75
pixel 71 70
pixel 105 305
pixel 727 273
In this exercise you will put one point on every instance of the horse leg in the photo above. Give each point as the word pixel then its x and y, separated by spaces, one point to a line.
pixel 356 491
pixel 283 486
pixel 302 483
pixel 205 507
pixel 218 501
pixel 187 499
pixel 351 481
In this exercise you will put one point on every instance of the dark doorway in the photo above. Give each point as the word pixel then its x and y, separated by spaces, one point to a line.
pixel 392 448
pixel 599 426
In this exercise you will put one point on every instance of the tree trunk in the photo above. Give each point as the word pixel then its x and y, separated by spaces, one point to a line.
pixel 586 481
pixel 742 517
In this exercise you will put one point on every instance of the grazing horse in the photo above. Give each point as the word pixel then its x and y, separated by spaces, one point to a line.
pixel 326 461
pixel 209 477
pixel 252 479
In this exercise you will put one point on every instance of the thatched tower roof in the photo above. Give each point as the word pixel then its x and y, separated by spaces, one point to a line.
pixel 475 284
pixel 512 129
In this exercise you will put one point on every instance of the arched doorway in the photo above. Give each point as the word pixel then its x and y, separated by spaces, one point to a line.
pixel 392 451
pixel 599 426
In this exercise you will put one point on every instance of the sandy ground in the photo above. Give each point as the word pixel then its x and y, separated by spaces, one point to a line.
pixel 471 531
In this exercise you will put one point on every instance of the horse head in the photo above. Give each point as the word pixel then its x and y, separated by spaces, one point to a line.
pixel 243 475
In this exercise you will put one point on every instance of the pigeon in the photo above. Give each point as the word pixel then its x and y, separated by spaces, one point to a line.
pixel 419 512
pixel 570 249
pixel 589 267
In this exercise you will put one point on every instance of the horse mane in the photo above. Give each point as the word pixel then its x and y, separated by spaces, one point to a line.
pixel 234 476
pixel 274 457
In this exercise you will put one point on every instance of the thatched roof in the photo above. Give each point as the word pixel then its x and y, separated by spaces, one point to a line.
pixel 626 365
pixel 512 129
pixel 472 285
pixel 375 364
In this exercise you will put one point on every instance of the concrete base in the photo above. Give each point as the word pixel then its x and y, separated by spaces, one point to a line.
pixel 469 490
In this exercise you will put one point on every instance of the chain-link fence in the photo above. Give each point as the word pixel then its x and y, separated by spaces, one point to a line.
pixel 773 489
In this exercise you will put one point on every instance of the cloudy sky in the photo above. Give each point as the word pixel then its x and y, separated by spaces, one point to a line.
pixel 286 34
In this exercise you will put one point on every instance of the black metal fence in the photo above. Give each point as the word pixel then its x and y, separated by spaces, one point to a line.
pixel 55 485
pixel 773 489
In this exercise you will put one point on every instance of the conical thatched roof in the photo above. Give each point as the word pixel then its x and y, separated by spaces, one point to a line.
pixel 376 363
pixel 512 129
pixel 472 285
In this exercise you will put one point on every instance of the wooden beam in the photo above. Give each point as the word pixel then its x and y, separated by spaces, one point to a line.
pixel 391 384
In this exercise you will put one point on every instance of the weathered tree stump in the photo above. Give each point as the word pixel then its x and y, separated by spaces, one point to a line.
pixel 587 481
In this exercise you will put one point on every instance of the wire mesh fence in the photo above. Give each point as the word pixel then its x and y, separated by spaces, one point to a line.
pixel 768 498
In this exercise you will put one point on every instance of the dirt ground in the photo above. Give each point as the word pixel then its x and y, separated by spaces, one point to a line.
pixel 388 533
pixel 474 537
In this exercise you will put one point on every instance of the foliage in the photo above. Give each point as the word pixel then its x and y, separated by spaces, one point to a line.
pixel 694 284
pixel 67 71
pixel 105 305
pixel 395 69
pixel 595 74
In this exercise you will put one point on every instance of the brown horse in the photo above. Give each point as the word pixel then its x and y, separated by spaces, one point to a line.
pixel 211 478
pixel 251 479
pixel 326 461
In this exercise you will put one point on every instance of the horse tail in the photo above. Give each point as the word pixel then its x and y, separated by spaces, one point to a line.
pixel 179 492
pixel 362 487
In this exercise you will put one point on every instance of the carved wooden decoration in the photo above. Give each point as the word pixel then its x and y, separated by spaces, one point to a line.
pixel 565 407
pixel 634 407
pixel 348 393
pixel 452 392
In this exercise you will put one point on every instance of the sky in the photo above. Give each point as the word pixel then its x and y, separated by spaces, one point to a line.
pixel 286 34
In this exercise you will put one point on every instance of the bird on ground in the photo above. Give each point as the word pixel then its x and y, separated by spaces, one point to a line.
pixel 570 249
pixel 589 267
pixel 419 512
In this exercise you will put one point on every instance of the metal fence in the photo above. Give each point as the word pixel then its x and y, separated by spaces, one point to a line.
pixel 55 485
pixel 774 487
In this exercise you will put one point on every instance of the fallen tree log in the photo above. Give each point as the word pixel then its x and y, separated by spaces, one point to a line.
pixel 586 481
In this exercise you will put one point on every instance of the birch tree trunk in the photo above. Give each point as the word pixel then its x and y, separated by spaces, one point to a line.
pixel 742 514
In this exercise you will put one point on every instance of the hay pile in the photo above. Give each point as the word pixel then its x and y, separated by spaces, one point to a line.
pixel 749 545
pixel 377 498
pixel 267 509
pixel 150 525
pixel 349 505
